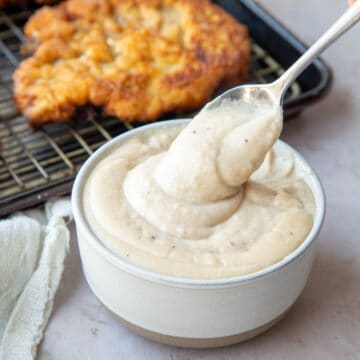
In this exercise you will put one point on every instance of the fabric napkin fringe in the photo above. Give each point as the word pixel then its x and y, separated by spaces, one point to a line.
pixel 32 308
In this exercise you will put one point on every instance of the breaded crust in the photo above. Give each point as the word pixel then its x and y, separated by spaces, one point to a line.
pixel 137 59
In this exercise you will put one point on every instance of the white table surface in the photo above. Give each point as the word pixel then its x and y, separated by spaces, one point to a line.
pixel 325 322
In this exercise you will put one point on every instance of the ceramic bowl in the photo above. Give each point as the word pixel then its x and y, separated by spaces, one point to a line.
pixel 188 312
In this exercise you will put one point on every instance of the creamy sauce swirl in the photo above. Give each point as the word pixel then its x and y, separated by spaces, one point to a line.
pixel 211 200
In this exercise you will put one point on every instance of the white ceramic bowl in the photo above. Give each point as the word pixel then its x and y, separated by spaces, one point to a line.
pixel 187 312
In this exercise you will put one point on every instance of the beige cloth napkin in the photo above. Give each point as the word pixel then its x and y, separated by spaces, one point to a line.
pixel 33 247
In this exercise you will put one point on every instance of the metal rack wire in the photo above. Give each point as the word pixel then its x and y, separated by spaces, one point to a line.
pixel 35 165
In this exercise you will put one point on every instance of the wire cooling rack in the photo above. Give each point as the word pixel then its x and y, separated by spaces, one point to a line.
pixel 35 165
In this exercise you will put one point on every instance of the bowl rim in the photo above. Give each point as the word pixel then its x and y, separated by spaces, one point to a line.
pixel 81 223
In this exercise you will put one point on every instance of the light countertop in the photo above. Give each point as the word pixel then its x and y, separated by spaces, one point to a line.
pixel 325 322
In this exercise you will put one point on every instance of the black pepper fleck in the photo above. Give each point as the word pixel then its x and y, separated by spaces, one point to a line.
pixel 153 237
pixel 194 131
pixel 246 140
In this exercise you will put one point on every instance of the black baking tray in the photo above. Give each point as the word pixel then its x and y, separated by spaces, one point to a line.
pixel 285 47
pixel 49 158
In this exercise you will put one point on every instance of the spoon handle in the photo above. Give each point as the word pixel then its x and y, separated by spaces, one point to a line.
pixel 344 23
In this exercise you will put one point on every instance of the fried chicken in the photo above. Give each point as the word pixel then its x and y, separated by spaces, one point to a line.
pixel 137 59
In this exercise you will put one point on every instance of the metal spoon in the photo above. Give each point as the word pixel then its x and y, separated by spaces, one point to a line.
pixel 273 93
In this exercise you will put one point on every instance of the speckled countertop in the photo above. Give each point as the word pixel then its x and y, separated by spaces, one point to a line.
pixel 325 322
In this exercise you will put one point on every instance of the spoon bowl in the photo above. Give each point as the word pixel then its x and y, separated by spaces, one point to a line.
pixel 256 94
pixel 273 93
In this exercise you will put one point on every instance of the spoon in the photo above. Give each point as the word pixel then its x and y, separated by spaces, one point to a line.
pixel 273 93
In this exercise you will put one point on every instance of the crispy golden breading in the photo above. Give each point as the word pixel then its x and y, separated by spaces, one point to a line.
pixel 138 59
